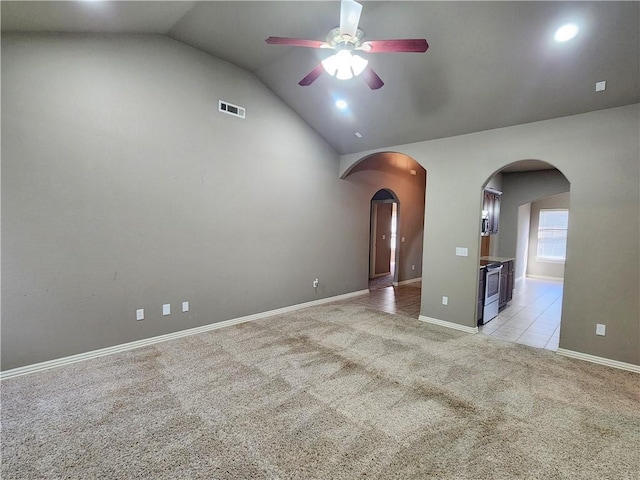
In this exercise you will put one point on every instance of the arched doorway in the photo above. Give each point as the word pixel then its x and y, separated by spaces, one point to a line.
pixel 383 246
pixel 524 231
pixel 392 178
pixel 396 178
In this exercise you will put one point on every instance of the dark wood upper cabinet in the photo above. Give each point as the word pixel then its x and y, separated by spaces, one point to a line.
pixel 491 212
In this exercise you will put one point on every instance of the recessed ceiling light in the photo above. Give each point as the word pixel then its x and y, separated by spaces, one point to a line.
pixel 566 32
pixel 341 104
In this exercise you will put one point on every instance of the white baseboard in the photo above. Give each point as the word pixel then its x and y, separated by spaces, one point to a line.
pixel 599 360
pixel 405 282
pixel 58 362
pixel 443 323
pixel 544 277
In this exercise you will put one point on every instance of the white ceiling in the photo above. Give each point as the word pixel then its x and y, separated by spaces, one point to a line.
pixel 489 65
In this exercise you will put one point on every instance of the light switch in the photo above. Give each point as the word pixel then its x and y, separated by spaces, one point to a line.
pixel 166 309
pixel 462 251
pixel 402 239
pixel 384 236
pixel 185 306
pixel 140 314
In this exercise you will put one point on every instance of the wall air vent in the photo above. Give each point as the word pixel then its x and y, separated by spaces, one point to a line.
pixel 231 109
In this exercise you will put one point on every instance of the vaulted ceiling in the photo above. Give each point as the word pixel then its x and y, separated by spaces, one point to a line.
pixel 489 65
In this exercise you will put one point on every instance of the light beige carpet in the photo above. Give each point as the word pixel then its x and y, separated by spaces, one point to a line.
pixel 330 392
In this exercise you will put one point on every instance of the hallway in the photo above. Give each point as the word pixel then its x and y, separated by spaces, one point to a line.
pixel 381 282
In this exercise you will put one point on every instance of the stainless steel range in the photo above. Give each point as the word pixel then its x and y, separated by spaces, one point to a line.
pixel 492 292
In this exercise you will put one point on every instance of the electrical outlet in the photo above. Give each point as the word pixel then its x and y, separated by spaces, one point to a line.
pixel 185 307
pixel 413 267
pixel 316 282
pixel 166 309
pixel 140 314
pixel 445 300
pixel 600 329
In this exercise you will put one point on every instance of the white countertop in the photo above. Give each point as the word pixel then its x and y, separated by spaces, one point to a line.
pixel 488 260
pixel 498 259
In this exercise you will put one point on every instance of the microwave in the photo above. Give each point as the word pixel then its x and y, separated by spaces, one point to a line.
pixel 484 229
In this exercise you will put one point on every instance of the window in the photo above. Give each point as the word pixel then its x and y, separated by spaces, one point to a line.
pixel 552 235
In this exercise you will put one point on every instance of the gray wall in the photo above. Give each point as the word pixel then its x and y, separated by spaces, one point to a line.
pixel 599 152
pixel 534 266
pixel 123 187
pixel 520 188
pixel 392 171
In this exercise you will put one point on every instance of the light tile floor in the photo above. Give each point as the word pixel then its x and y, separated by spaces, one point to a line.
pixel 532 317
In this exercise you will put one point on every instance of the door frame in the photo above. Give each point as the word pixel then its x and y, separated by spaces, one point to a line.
pixel 372 237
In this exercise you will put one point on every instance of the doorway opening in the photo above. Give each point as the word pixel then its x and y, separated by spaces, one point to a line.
pixel 383 247
pixel 529 241
pixel 392 177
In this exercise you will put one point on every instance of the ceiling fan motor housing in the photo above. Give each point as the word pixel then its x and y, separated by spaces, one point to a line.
pixel 336 40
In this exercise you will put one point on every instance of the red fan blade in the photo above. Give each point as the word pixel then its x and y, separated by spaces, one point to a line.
pixel 372 78
pixel 313 75
pixel 416 45
pixel 296 42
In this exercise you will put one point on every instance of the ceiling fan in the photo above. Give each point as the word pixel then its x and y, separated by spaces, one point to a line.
pixel 348 41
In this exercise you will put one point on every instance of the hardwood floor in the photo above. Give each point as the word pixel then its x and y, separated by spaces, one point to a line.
pixel 404 299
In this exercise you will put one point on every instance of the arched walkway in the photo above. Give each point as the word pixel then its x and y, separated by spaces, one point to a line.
pixel 532 198
pixel 392 178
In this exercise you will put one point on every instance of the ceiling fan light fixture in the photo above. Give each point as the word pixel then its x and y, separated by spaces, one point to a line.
pixel 344 74
pixel 330 65
pixel 344 66
pixel 358 64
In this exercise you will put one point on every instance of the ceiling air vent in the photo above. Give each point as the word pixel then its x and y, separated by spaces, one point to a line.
pixel 231 109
